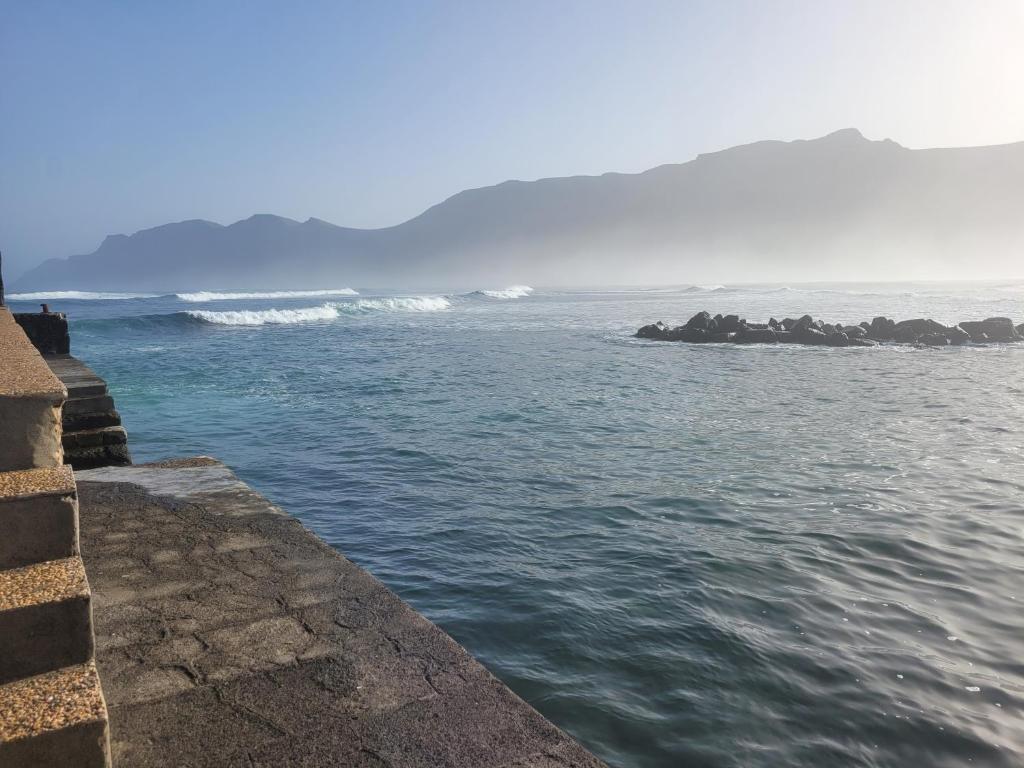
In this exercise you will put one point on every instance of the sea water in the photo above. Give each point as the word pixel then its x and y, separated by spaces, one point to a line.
pixel 683 555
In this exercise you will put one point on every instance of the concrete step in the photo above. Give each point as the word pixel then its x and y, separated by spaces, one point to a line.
pixel 79 388
pixel 55 720
pixel 38 516
pixel 77 406
pixel 45 618
pixel 87 421
pixel 102 456
pixel 93 438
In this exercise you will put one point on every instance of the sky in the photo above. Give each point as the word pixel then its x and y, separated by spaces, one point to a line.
pixel 118 116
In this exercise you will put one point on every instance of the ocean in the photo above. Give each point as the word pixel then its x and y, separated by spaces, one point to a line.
pixel 683 555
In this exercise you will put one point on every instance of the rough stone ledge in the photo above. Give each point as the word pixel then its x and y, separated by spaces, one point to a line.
pixel 32 483
pixel 44 720
pixel 228 634
pixel 45 618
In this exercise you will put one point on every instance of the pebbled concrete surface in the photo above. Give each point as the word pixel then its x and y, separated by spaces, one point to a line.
pixel 227 634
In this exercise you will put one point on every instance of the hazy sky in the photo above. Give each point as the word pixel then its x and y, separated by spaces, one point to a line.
pixel 116 116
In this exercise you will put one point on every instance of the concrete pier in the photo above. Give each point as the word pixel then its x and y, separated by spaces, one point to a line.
pixel 227 634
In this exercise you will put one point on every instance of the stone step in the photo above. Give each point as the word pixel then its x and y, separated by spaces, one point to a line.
pixel 79 388
pixel 102 456
pixel 93 438
pixel 38 516
pixel 87 421
pixel 45 618
pixel 79 406
pixel 54 720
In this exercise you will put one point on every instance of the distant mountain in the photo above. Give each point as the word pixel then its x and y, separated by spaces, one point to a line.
pixel 838 207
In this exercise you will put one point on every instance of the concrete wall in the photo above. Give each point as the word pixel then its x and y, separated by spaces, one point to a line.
pixel 52 710
pixel 31 398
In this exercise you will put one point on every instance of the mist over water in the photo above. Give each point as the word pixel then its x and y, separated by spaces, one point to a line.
pixel 706 555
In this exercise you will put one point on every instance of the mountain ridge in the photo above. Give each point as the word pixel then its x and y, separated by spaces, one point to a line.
pixel 837 207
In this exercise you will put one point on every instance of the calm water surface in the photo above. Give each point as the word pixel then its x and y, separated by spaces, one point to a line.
pixel 683 555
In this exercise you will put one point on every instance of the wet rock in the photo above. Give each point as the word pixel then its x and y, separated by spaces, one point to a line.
pixel 720 337
pixel 906 335
pixel 700 322
pixel 788 323
pixel 861 342
pixel 757 336
pixel 855 331
pixel 995 328
pixel 838 339
pixel 958 335
pixel 882 328
pixel 920 326
pixel 810 335
pixel 934 340
pixel 730 324
pixel 653 331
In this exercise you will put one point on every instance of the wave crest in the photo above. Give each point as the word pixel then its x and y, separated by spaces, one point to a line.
pixel 199 296
pixel 77 296
pixel 512 292
pixel 327 311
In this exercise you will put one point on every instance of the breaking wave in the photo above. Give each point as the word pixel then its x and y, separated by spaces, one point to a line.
pixel 328 311
pixel 265 316
pixel 199 296
pixel 76 296
pixel 512 292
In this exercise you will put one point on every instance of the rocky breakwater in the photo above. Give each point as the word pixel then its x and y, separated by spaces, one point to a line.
pixel 731 329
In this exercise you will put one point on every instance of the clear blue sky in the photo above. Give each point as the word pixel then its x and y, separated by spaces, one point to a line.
pixel 116 116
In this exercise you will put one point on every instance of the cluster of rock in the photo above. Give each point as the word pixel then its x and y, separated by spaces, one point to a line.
pixel 703 328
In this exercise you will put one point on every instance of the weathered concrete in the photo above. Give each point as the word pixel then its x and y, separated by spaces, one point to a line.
pixel 38 516
pixel 227 634
pixel 30 403
pixel 45 620
pixel 54 719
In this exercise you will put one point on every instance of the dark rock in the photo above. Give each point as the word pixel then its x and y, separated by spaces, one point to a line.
pixel 757 336
pixel 882 328
pixel 906 335
pixel 920 326
pixel 995 328
pixel 934 339
pixel 958 335
pixel 785 337
pixel 694 335
pixel 865 325
pixel 721 337
pixel 701 321
pixel 789 323
pixel 1020 329
pixel 838 339
pixel 729 324
pixel 855 331
pixel 774 324
pixel 861 342
pixel 829 328
pixel 804 322
pixel 809 335
pixel 653 331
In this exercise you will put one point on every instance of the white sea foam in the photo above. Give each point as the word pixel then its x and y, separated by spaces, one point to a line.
pixel 76 295
pixel 266 316
pixel 231 295
pixel 396 304
pixel 327 311
pixel 512 292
